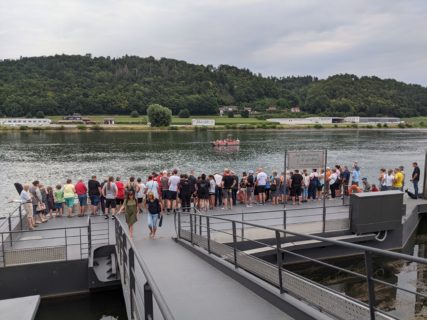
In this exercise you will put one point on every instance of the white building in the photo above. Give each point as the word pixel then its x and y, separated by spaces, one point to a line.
pixel 372 120
pixel 334 120
pixel 31 122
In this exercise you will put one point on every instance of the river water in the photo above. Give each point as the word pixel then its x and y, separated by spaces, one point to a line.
pixel 52 157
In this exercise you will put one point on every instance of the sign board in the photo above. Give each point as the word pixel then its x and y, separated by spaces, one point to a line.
pixel 202 122
pixel 305 159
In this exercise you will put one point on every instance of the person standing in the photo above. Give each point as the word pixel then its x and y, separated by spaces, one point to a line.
pixel 154 207
pixel 120 196
pixel 164 185
pixel 275 188
pixel 59 200
pixel 140 194
pixel 345 177
pixel 355 176
pixel 235 188
pixel 69 195
pixel 296 185
pixel 81 191
pixel 152 186
pixel 382 179
pixel 250 184
pixel 261 180
pixel 218 189
pixel 228 182
pixel 109 191
pixel 25 197
pixel 185 188
pixel 94 188
pixel 173 182
pixel 130 206
pixel 314 182
pixel 203 186
pixel 415 178
pixel 389 178
pixel 398 180
pixel 401 168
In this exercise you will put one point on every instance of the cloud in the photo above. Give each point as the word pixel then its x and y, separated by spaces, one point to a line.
pixel 385 37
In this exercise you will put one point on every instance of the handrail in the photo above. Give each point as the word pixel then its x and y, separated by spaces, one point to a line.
pixel 233 255
pixel 332 241
pixel 161 302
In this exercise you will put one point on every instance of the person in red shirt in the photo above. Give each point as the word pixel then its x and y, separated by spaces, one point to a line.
pixel 81 191
pixel 120 197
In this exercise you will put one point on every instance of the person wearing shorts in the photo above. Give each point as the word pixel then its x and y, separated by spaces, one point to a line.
pixel 27 204
pixel 228 182
pixel 296 186
pixel 69 195
pixel 261 180
pixel 81 191
pixel 94 193
pixel 109 191
pixel 250 184
pixel 173 182
pixel 154 207
pixel 120 196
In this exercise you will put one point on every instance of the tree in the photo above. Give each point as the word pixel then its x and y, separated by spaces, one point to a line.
pixel 244 114
pixel 39 114
pixel 159 116
pixel 230 114
pixel 134 114
pixel 184 113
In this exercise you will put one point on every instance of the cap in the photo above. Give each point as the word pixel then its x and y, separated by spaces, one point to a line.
pixel 364 178
pixel 251 171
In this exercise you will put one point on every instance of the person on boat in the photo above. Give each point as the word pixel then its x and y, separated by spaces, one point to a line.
pixel 25 197
pixel 81 191
pixel 130 206
pixel 203 186
pixel 250 184
pixel 109 191
pixel 94 190
pixel 173 190
pixel 415 178
pixel 212 186
pixel 275 188
pixel 164 186
pixel 398 180
pixel 261 181
pixel 228 182
pixel 69 196
pixel 184 191
pixel 154 207
pixel 59 200
pixel 296 186
pixel 38 205
pixel 120 196
pixel 140 194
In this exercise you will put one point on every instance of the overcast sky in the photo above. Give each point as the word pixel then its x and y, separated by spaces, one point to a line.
pixel 387 38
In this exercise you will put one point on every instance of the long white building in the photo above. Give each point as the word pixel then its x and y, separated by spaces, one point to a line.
pixel 333 120
pixel 31 122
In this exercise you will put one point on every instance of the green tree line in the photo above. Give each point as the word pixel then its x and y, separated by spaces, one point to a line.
pixel 64 84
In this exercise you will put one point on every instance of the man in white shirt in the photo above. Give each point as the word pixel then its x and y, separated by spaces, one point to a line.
pixel 173 182
pixel 261 180
pixel 218 189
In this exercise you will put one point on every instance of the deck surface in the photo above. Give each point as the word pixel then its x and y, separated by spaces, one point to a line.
pixel 24 308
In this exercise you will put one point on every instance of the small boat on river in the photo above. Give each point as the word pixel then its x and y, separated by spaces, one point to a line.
pixel 229 142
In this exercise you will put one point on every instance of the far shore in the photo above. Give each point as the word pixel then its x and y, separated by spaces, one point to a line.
pixel 241 127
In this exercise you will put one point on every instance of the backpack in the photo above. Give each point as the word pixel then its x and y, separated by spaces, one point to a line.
pixel 273 186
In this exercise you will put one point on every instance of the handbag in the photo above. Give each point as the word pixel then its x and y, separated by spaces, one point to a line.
pixel 161 221
pixel 41 206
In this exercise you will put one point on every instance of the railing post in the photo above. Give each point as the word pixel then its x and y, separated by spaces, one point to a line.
pixel 279 260
pixel 89 238
pixel 208 230
pixel 191 229
pixel 284 217
pixel 20 217
pixel 148 302
pixel 243 226
pixel 370 282
pixel 10 230
pixel 131 279
pixel 80 242
pixel 200 225
pixel 234 243
pixel 179 224
pixel 2 249
pixel 66 245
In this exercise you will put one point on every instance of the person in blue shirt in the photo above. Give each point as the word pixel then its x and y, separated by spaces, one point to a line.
pixel 355 177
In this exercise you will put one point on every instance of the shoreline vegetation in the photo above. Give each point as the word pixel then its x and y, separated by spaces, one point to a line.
pixel 126 123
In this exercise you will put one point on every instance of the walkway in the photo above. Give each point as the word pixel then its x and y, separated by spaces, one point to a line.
pixel 192 287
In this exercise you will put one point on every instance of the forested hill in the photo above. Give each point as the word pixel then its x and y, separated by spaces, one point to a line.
pixel 64 84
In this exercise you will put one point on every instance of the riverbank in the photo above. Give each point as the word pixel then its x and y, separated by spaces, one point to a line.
pixel 269 126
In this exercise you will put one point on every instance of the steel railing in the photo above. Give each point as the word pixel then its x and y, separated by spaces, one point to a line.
pixel 139 286
pixel 200 229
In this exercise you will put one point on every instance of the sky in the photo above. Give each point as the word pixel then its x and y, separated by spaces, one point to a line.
pixel 386 38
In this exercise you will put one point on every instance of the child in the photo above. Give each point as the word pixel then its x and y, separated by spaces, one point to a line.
pixel 59 200
pixel 50 201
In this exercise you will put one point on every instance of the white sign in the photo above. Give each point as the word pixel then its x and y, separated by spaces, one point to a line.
pixel 305 159
pixel 202 122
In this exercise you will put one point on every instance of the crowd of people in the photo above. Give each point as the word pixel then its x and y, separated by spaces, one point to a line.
pixel 165 192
